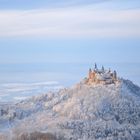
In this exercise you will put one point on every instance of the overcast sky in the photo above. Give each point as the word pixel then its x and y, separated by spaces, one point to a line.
pixel 80 31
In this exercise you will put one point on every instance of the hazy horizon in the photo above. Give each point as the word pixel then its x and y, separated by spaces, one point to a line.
pixel 59 41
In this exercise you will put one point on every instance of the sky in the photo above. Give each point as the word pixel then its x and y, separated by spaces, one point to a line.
pixel 69 31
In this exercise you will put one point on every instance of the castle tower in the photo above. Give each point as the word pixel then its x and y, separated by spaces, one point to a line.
pixel 95 68
pixel 103 70
pixel 90 74
pixel 109 71
pixel 115 75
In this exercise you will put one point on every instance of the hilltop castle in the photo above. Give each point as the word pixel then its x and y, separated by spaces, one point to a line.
pixel 101 76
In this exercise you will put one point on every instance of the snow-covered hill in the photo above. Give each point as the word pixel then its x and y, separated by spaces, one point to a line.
pixel 82 112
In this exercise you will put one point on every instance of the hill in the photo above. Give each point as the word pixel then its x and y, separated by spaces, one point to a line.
pixel 82 112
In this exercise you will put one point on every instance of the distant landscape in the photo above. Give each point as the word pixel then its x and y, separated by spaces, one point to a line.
pixel 42 78
pixel 70 70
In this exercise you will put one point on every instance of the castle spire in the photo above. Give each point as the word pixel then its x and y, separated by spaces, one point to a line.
pixel 115 75
pixel 109 70
pixel 95 66
pixel 90 73
pixel 90 70
pixel 103 69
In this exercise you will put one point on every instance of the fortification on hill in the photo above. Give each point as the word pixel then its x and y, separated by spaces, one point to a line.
pixel 101 76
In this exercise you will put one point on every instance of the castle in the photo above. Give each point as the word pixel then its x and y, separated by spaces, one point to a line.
pixel 101 76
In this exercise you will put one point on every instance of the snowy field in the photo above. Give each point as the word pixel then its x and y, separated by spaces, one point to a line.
pixel 14 92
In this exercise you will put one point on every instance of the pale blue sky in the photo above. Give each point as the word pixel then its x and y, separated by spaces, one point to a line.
pixel 69 31
pixel 69 50
pixel 32 4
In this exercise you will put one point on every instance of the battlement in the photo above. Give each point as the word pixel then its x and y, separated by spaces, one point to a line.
pixel 101 76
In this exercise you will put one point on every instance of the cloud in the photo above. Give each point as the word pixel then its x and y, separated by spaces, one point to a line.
pixel 77 22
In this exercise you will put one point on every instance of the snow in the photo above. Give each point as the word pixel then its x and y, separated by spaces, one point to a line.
pixel 18 91
pixel 82 112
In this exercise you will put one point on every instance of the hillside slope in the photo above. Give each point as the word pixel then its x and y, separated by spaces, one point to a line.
pixel 84 112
